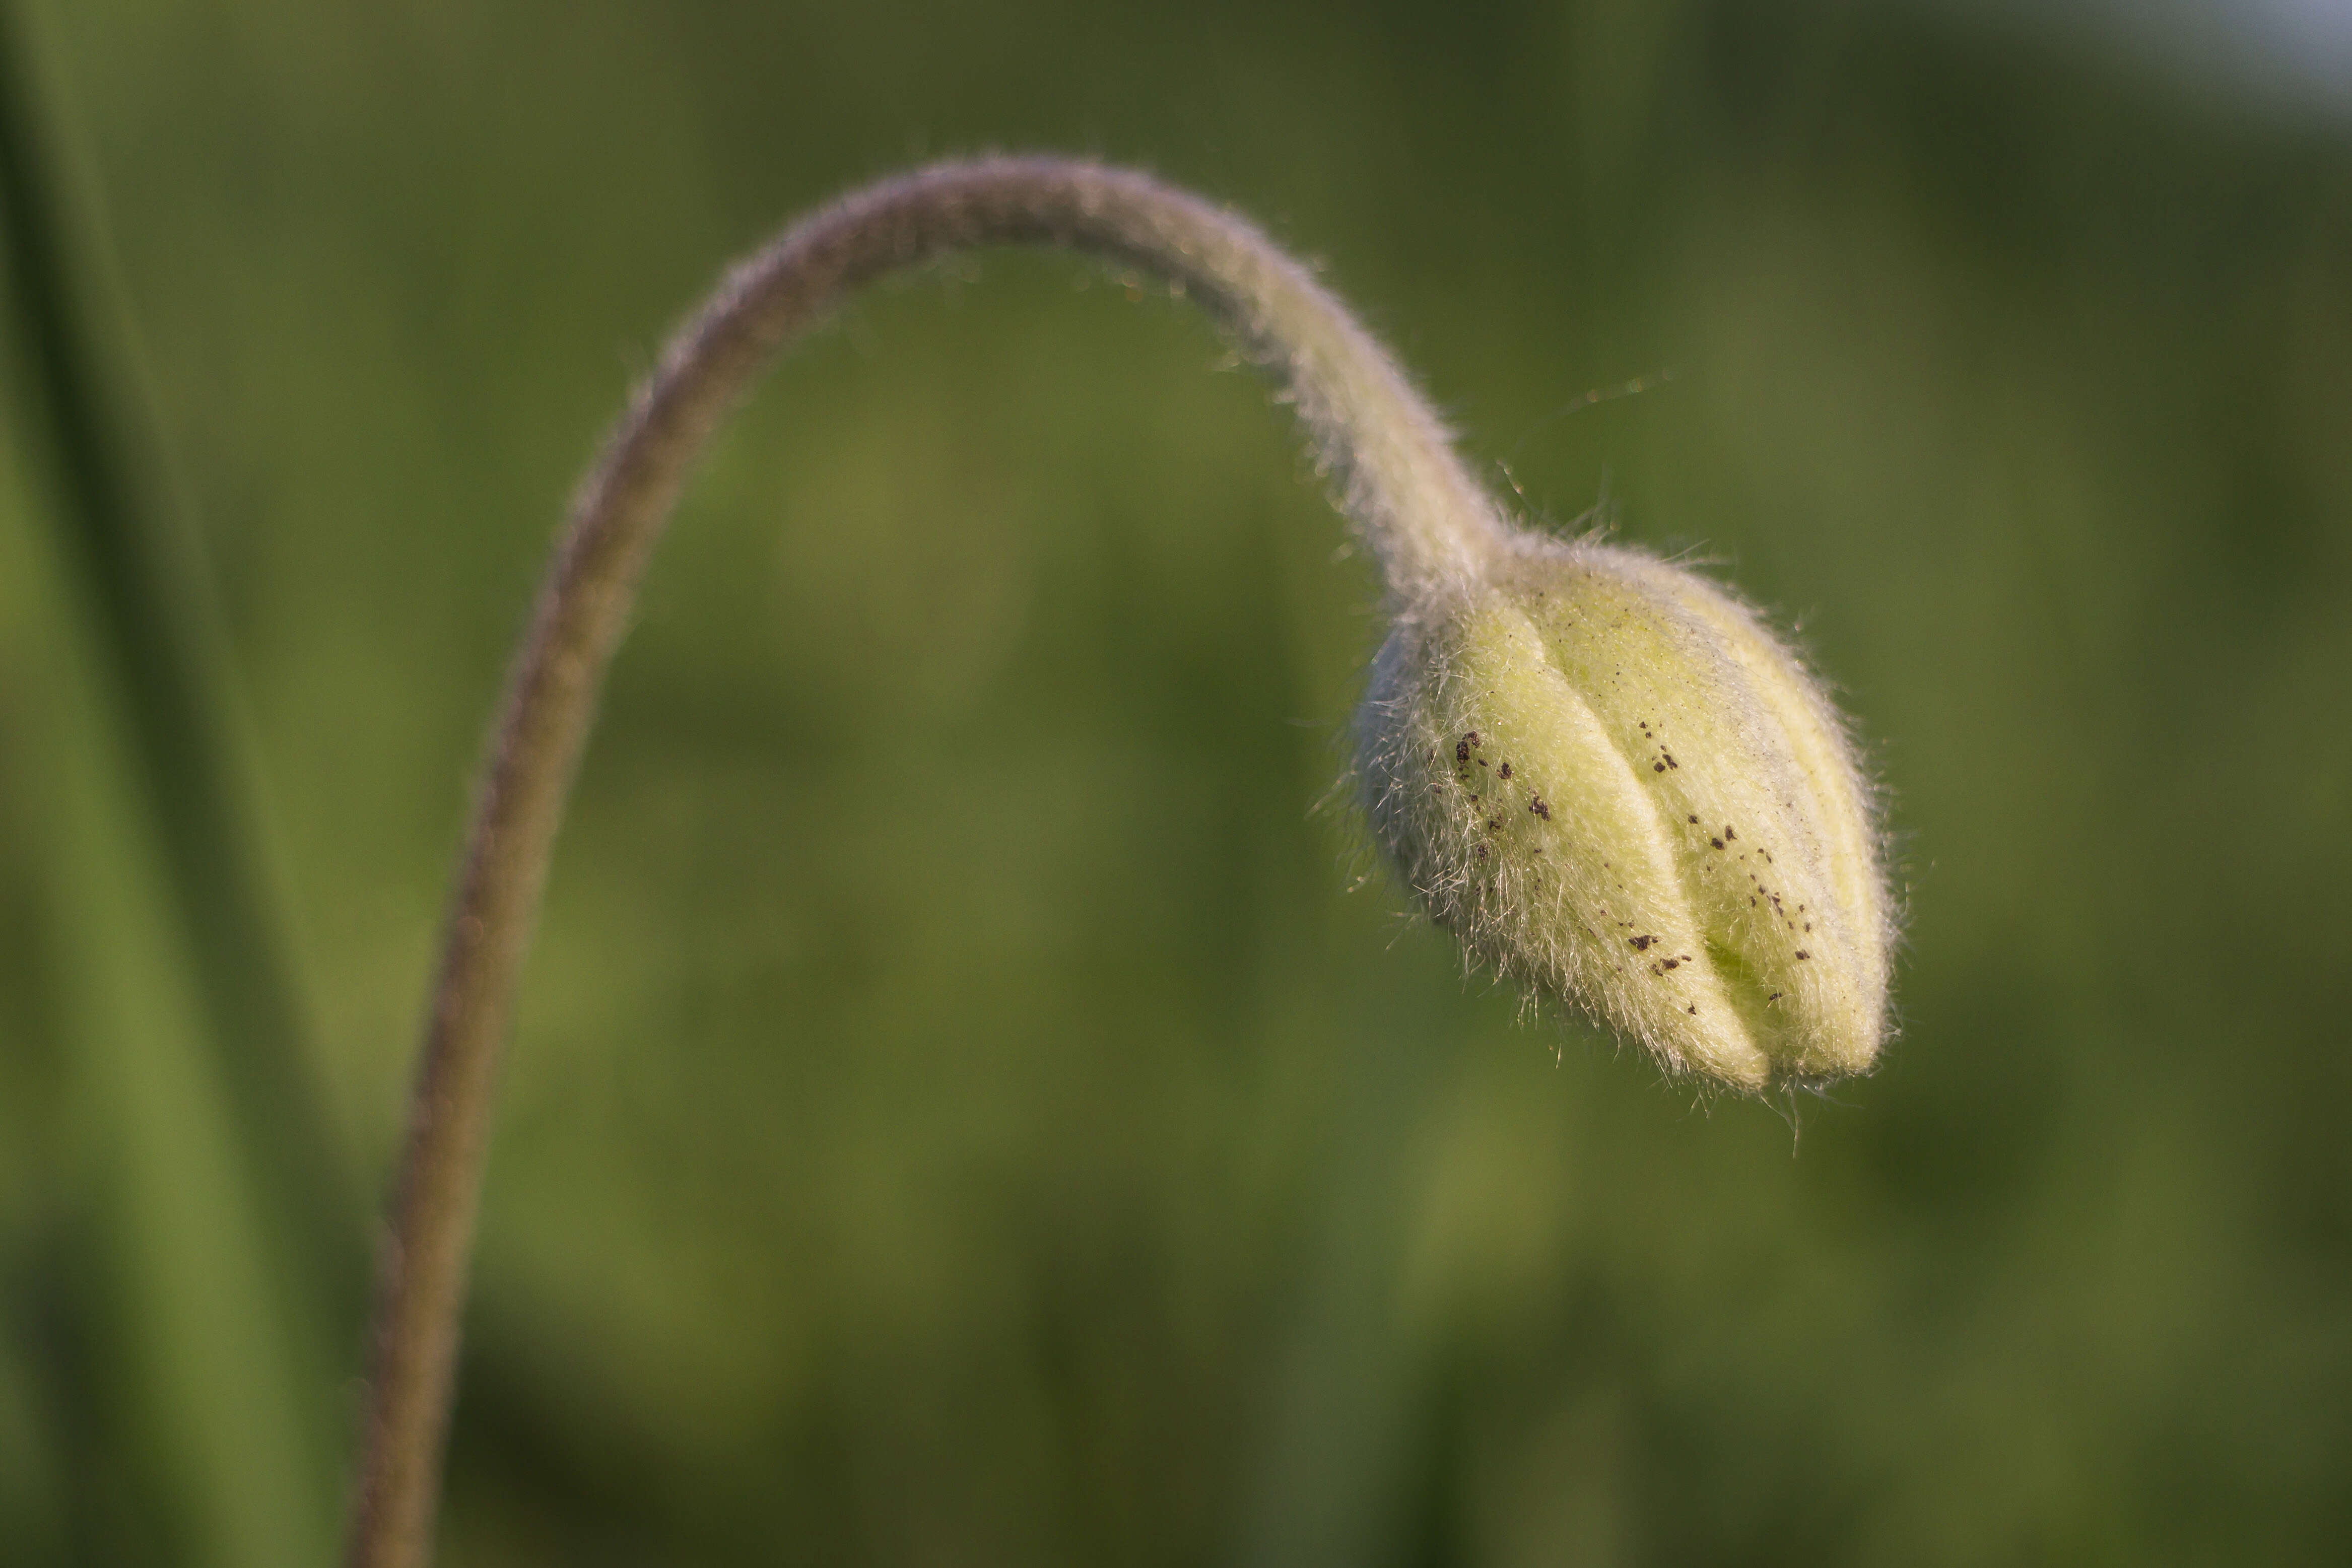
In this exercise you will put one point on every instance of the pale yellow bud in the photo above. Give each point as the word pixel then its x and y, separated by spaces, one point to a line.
pixel 1613 782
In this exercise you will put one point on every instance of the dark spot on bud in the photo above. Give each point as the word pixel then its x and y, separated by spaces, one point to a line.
pixel 1540 809
pixel 1482 852
pixel 1802 954
pixel 1473 738
pixel 1716 842
pixel 1507 770
pixel 1657 768
pixel 1671 762
pixel 1673 963
pixel 1773 997
pixel 1727 829
pixel 1694 818
pixel 1461 751
pixel 1641 944
pixel 1482 762
pixel 1693 1010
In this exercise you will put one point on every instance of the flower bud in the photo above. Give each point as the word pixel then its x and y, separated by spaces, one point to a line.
pixel 1613 782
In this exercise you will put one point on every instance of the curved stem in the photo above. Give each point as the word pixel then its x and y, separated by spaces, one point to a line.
pixel 1396 475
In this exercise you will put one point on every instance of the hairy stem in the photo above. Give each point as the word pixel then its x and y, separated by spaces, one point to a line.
pixel 1397 477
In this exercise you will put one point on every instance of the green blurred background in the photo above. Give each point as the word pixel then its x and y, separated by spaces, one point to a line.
pixel 964 1110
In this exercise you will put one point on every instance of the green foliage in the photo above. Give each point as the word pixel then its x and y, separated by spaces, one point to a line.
pixel 957 1113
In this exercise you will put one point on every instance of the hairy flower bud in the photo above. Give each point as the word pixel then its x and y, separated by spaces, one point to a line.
pixel 1611 781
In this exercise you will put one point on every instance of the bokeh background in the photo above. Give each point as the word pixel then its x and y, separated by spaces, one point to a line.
pixel 970 1105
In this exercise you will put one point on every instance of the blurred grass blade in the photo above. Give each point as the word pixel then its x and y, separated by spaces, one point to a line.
pixel 229 1230
pixel 205 1366
pixel 145 598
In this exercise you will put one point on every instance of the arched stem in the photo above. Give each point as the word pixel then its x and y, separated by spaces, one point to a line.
pixel 1396 474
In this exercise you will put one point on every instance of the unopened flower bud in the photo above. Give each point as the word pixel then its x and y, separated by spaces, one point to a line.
pixel 1613 782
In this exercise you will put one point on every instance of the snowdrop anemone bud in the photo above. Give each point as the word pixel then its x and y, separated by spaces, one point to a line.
pixel 1602 773
pixel 1613 783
